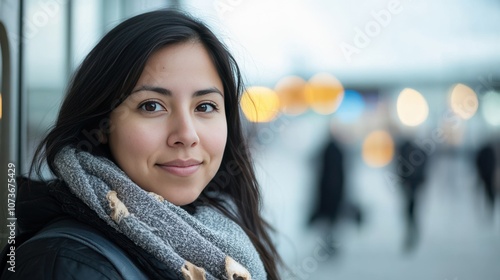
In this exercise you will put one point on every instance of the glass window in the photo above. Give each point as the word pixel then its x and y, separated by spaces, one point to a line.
pixel 58 35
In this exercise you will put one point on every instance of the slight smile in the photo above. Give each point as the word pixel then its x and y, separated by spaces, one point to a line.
pixel 182 168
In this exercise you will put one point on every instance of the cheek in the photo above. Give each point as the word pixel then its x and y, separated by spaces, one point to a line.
pixel 134 140
pixel 215 140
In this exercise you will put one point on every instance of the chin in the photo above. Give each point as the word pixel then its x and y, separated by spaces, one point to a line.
pixel 179 199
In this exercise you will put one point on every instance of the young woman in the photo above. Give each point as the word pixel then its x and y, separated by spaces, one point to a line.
pixel 149 157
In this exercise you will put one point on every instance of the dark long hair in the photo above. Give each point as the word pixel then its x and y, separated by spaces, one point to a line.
pixel 107 76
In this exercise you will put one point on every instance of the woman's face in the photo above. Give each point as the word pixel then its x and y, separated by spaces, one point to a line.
pixel 169 135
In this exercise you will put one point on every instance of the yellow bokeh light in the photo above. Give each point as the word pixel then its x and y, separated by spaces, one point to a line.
pixel 291 92
pixel 378 148
pixel 260 104
pixel 411 107
pixel 463 101
pixel 324 93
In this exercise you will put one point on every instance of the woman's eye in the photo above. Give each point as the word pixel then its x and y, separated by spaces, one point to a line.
pixel 151 106
pixel 206 108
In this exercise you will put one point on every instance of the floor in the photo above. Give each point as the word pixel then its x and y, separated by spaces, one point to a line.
pixel 459 237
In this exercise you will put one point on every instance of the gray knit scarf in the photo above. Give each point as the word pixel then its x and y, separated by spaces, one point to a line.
pixel 205 245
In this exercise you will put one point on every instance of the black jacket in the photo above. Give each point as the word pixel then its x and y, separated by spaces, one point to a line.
pixel 39 205
pixel 59 258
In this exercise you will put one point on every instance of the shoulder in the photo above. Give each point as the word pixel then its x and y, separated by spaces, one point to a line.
pixel 60 258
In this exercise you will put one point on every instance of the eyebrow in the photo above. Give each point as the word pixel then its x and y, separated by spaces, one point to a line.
pixel 167 92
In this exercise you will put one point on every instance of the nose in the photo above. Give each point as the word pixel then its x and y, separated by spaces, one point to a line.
pixel 182 132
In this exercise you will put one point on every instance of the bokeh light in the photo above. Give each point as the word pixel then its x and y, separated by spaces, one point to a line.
pixel 260 104
pixel 412 108
pixel 490 107
pixel 463 101
pixel 324 93
pixel 352 106
pixel 378 148
pixel 291 93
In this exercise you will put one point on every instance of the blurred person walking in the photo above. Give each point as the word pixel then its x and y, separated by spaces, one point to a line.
pixel 487 162
pixel 411 163
pixel 331 200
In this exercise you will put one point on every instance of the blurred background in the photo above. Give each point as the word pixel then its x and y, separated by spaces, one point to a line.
pixel 375 130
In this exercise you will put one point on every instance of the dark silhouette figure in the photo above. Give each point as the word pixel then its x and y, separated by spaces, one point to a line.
pixel 331 203
pixel 487 161
pixel 331 184
pixel 411 162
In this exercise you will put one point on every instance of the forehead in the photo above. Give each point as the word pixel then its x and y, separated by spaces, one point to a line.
pixel 183 58
pixel 181 68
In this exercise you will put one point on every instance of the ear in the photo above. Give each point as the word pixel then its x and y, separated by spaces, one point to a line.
pixel 103 138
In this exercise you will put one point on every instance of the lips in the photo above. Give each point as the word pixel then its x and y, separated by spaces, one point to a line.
pixel 182 168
